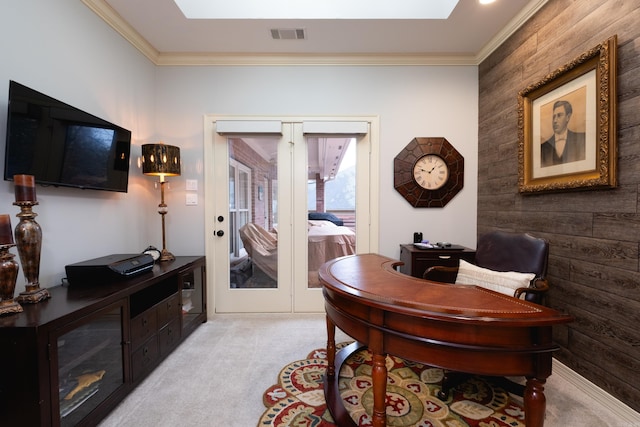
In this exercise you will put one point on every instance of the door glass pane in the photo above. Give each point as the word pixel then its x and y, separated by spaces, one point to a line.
pixel 252 219
pixel 234 245
pixel 331 198
pixel 191 297
pixel 274 203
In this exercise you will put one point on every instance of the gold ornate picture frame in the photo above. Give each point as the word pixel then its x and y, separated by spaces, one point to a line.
pixel 567 125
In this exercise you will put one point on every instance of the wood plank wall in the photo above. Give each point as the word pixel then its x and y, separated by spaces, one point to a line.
pixel 594 235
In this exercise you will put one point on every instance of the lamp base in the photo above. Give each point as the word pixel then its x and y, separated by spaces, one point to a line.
pixel 10 307
pixel 34 296
pixel 166 256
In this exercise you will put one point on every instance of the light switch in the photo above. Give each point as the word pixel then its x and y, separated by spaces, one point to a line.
pixel 192 199
pixel 191 185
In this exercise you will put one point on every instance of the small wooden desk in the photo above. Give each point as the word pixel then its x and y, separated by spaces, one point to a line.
pixel 416 261
pixel 457 327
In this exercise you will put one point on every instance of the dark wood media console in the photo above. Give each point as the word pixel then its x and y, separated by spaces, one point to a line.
pixel 71 359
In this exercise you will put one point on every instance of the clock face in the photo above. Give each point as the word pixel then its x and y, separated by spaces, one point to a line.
pixel 431 172
pixel 428 172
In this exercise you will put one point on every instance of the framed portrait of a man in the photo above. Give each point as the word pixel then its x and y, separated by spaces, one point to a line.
pixel 567 125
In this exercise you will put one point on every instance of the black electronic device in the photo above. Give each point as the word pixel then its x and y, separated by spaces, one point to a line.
pixel 109 268
pixel 61 145
pixel 439 246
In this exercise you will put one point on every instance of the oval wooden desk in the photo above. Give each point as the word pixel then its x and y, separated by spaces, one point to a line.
pixel 457 327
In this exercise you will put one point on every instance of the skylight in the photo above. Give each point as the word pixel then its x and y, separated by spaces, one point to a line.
pixel 316 9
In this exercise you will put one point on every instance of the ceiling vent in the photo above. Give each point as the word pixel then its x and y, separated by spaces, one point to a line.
pixel 288 34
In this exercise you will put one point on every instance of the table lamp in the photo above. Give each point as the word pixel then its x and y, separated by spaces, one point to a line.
pixel 161 160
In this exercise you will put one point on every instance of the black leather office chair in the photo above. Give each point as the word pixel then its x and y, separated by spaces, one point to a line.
pixel 502 252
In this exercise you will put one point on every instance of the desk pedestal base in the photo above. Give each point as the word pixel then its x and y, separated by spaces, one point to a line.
pixel 332 387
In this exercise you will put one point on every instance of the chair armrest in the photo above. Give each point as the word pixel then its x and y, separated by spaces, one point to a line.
pixel 535 292
pixel 440 273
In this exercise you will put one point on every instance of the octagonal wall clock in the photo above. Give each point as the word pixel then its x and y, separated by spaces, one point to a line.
pixel 428 172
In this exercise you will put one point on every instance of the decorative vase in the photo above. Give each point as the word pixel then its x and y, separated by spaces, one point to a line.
pixel 28 235
pixel 8 276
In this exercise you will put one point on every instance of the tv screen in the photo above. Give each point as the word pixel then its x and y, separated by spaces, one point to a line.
pixel 61 145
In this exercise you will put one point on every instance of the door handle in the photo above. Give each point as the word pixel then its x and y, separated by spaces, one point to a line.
pixel 219 233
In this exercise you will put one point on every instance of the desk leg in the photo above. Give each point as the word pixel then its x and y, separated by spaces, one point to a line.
pixel 331 348
pixel 379 379
pixel 534 402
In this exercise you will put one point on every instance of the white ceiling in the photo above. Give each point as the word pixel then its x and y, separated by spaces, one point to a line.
pixel 159 29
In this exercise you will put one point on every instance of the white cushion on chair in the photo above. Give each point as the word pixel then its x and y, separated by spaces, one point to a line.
pixel 503 282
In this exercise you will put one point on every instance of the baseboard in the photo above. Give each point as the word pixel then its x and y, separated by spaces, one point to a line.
pixel 614 405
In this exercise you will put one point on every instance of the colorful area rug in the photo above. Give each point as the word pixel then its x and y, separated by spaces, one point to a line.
pixel 298 398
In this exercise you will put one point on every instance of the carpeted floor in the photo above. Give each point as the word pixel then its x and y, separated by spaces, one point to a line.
pixel 217 377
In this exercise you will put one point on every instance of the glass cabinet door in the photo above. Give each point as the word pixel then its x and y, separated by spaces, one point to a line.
pixel 88 362
pixel 193 296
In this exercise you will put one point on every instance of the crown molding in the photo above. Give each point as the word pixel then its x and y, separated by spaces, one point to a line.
pixel 514 25
pixel 113 19
pixel 302 59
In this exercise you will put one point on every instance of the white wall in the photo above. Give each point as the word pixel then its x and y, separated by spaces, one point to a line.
pixel 410 101
pixel 61 48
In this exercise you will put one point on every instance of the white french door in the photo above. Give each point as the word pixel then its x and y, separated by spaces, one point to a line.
pixel 257 243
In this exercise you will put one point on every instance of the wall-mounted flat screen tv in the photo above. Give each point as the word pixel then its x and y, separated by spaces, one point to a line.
pixel 61 145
